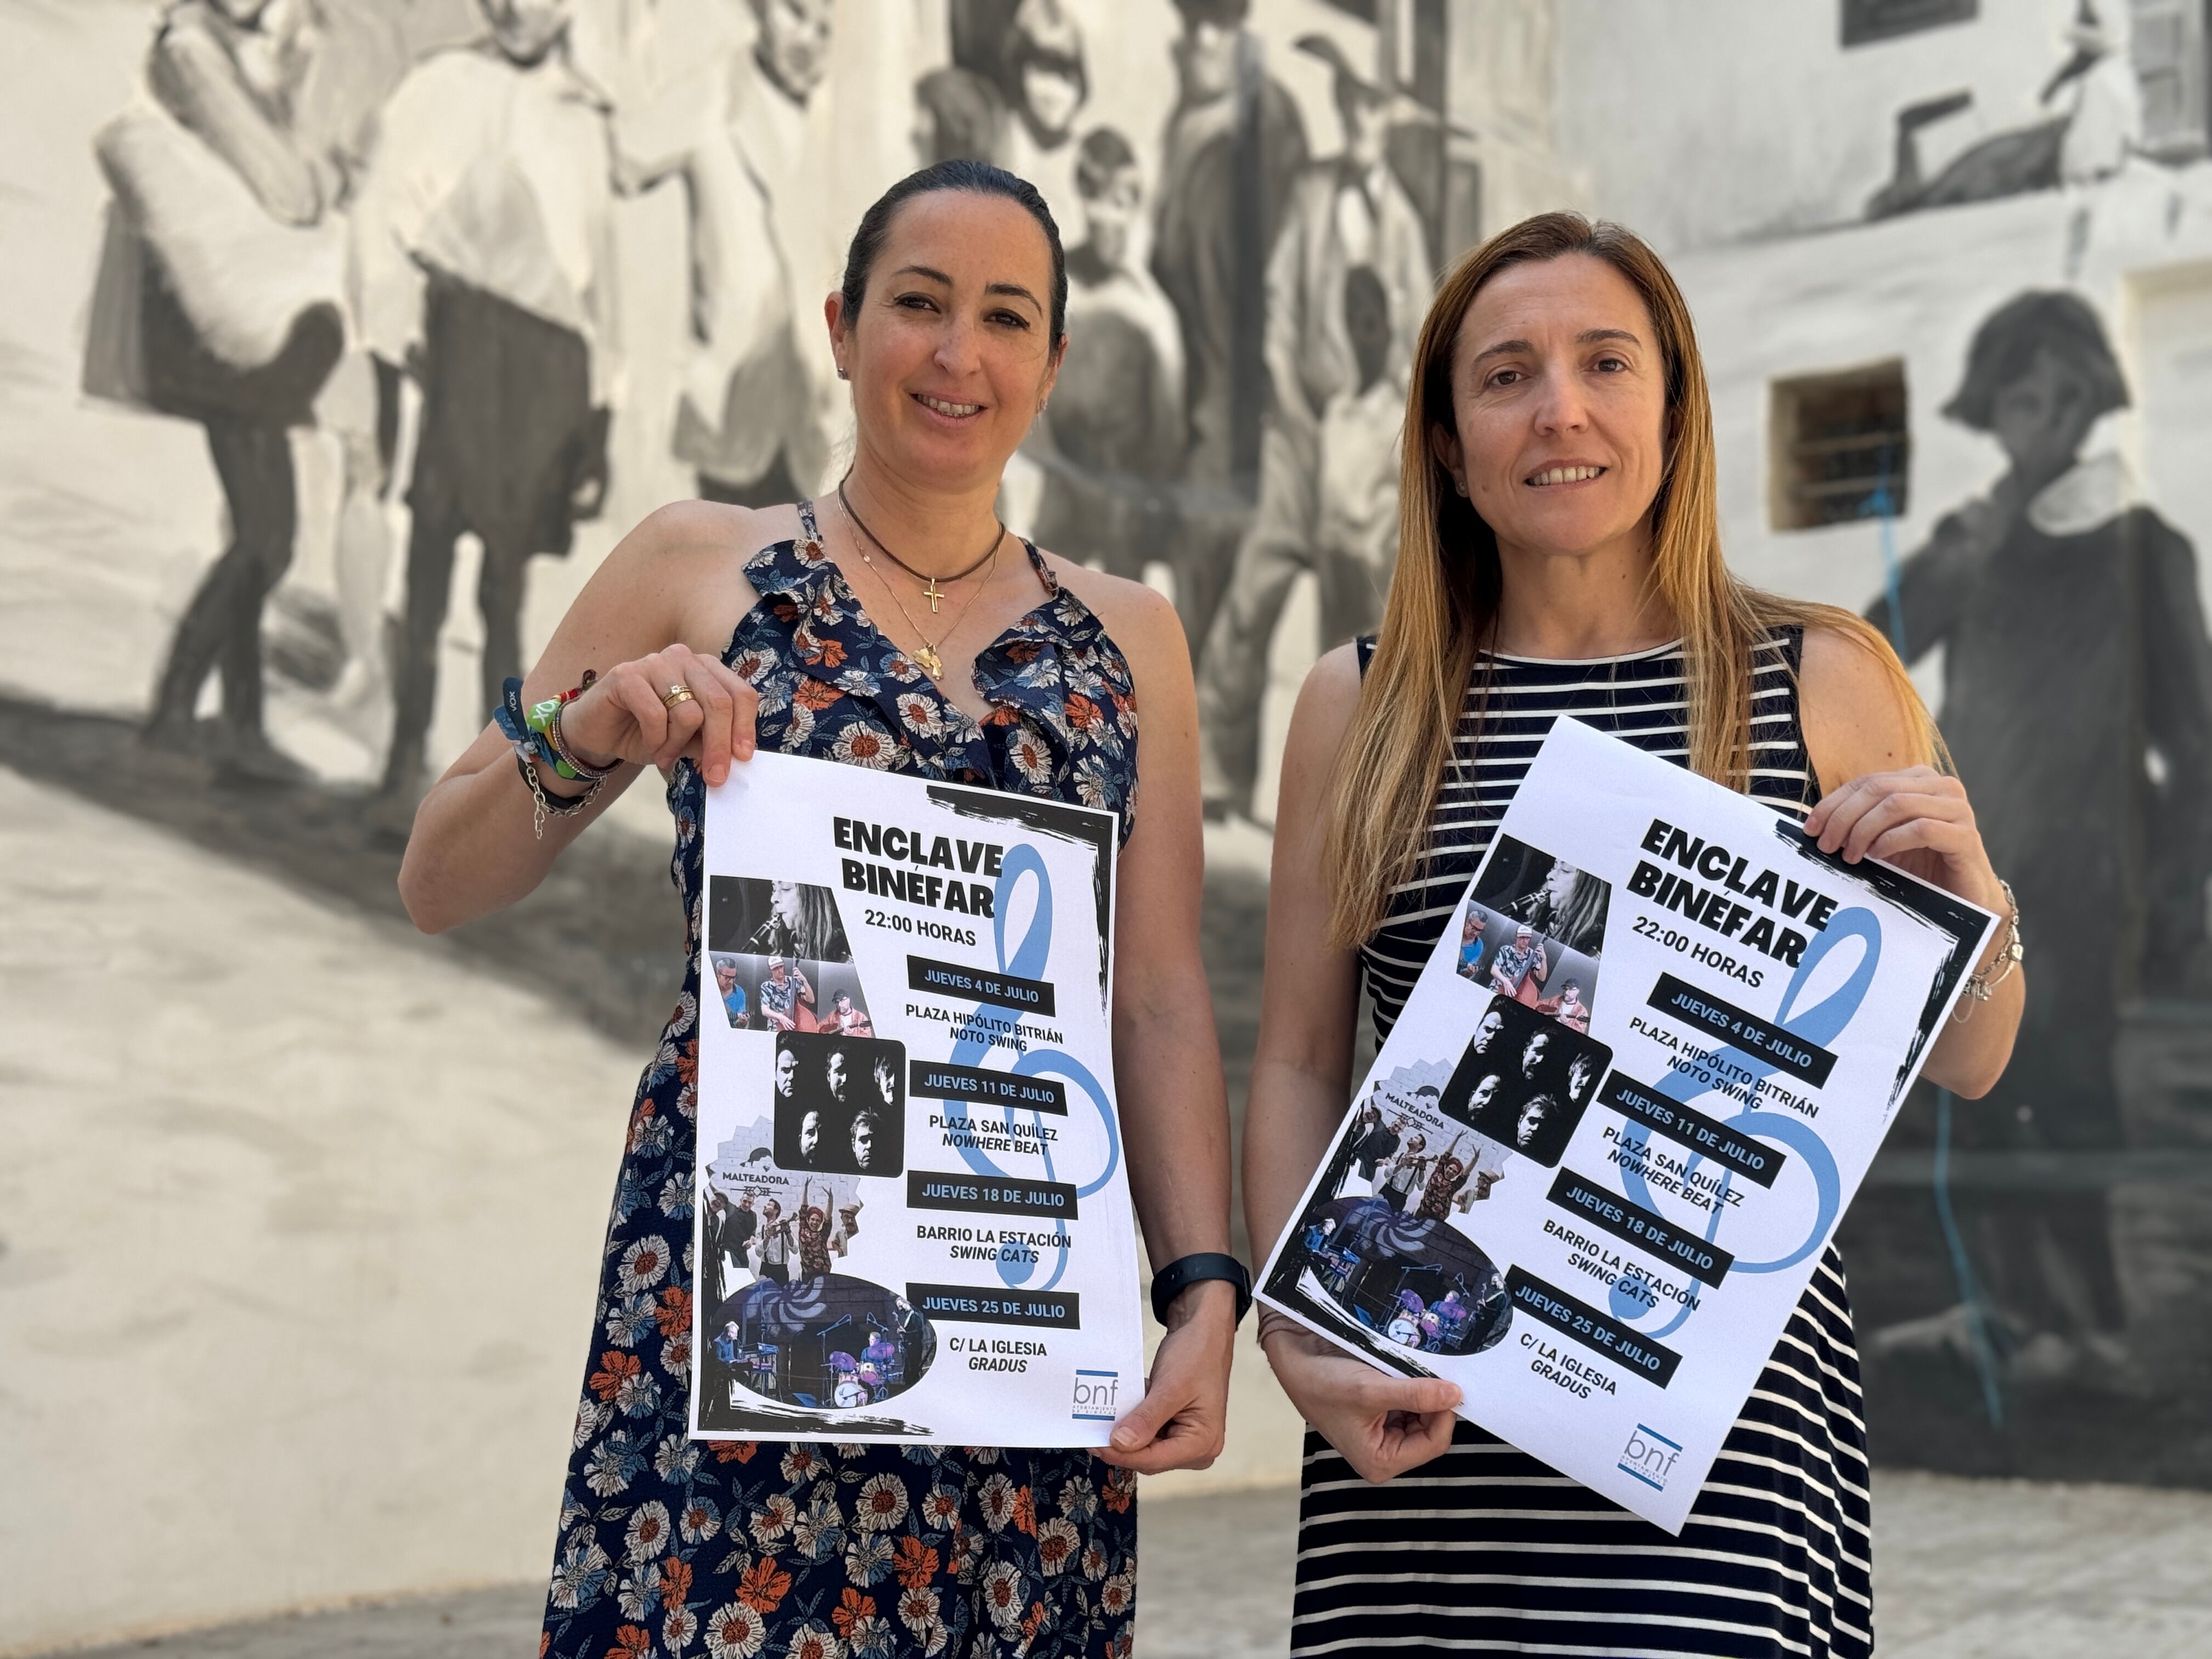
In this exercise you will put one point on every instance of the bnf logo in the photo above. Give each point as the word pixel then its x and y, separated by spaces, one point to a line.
pixel 1094 1396
pixel 1650 1457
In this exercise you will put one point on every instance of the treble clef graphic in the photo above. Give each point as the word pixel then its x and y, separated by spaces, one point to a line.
pixel 1031 958
pixel 1820 1025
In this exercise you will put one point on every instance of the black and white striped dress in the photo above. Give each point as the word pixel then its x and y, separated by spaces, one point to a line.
pixel 1486 1550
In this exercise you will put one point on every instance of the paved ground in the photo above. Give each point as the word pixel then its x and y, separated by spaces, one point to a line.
pixel 1967 1570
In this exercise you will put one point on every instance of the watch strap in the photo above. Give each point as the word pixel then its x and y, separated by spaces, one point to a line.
pixel 1179 1275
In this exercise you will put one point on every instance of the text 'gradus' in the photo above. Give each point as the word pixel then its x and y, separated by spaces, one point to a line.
pixel 1717 907
pixel 926 853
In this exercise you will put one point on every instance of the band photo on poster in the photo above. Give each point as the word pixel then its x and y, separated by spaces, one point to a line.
pixel 840 1104
pixel 1533 930
pixel 1381 1251
pixel 780 958
pixel 1525 1080
pixel 783 1332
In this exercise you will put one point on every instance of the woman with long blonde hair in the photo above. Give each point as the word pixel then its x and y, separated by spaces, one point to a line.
pixel 1559 551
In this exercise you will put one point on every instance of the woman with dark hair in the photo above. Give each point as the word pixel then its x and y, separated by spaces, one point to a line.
pixel 903 630
pixel 2077 703
pixel 1559 551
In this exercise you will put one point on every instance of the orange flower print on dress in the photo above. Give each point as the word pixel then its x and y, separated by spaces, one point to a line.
pixel 674 1318
pixel 630 1642
pixel 764 1586
pixel 675 1582
pixel 615 1368
pixel 851 1608
pixel 916 1564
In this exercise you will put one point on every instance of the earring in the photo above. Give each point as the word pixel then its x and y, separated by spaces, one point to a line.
pixel 842 375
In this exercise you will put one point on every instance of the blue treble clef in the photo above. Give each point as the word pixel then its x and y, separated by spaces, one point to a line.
pixel 1029 960
pixel 1820 1025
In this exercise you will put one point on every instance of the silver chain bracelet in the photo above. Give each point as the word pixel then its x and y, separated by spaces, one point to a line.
pixel 1982 981
pixel 542 804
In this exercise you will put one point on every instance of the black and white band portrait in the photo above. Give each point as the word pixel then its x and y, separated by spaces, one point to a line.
pixel 1525 1080
pixel 840 1104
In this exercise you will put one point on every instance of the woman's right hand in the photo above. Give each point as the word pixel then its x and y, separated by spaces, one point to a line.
pixel 1381 1425
pixel 624 716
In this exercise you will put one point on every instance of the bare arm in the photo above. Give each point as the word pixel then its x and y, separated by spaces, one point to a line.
pixel 1174 1110
pixel 1878 802
pixel 1301 1081
pixel 657 612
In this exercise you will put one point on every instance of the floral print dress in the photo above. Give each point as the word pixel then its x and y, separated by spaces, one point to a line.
pixel 727 1550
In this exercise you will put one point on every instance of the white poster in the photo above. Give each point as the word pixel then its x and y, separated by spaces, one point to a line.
pixel 1598 1158
pixel 912 1214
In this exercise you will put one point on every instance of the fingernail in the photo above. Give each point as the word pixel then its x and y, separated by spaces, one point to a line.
pixel 1124 1440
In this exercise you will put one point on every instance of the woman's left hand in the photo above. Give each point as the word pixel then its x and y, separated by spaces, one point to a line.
pixel 1181 1421
pixel 1918 819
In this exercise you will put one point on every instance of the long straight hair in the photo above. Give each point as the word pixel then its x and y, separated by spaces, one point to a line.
pixel 1442 606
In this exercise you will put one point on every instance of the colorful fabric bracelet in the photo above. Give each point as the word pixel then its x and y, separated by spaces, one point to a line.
pixel 535 731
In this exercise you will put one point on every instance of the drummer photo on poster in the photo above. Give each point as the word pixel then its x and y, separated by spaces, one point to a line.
pixel 1592 1168
pixel 911 1213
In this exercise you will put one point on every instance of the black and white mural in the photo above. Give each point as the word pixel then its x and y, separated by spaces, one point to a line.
pixel 340 339
pixel 375 256
pixel 1957 333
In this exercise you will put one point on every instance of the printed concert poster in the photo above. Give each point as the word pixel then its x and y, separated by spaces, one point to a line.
pixel 912 1216
pixel 1595 1165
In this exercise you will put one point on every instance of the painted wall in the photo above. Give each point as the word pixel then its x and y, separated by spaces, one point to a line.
pixel 1712 122
pixel 298 1212
pixel 2030 1271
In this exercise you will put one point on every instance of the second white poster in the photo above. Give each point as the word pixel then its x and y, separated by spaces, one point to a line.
pixel 1593 1165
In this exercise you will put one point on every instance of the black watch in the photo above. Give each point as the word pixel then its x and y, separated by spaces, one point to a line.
pixel 1179 1275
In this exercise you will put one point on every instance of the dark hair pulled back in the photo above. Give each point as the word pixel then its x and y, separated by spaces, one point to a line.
pixel 961 174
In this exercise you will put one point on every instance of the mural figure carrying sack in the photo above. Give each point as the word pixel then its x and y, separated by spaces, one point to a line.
pixel 219 299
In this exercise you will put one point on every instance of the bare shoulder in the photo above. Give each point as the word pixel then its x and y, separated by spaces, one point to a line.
pixel 1859 712
pixel 682 565
pixel 709 529
pixel 1328 698
pixel 1142 622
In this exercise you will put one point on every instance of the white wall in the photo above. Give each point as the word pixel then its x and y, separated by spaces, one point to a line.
pixel 1702 121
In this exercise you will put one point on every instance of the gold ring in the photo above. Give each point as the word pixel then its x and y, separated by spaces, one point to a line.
pixel 674 694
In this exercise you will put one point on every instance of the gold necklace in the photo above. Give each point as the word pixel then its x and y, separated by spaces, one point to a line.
pixel 930 588
pixel 932 664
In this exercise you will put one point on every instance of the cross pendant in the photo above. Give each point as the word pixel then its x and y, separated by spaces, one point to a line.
pixel 932 592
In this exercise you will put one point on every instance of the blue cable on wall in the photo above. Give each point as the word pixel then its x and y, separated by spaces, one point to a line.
pixel 1970 1290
